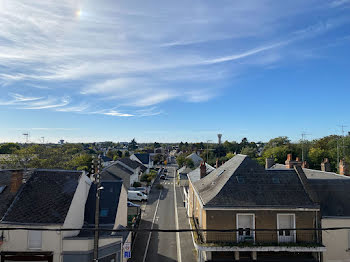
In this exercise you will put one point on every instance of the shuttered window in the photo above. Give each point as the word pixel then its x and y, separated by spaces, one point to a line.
pixel 34 239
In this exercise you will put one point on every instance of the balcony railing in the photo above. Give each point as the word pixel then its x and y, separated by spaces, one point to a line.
pixel 247 237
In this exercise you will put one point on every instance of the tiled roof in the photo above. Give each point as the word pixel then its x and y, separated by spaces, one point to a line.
pixel 131 163
pixel 108 203
pixel 45 198
pixel 195 175
pixel 333 196
pixel 6 197
pixel 242 182
pixel 144 158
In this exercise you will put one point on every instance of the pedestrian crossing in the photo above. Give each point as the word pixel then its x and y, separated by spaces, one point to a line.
pixel 167 183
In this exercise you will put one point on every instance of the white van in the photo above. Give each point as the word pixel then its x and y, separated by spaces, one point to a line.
pixel 137 195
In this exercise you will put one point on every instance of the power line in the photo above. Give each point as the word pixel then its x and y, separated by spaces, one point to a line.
pixel 168 230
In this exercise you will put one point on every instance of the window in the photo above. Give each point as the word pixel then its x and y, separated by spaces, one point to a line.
pixel 245 224
pixel 104 212
pixel 2 188
pixel 34 239
pixel 286 222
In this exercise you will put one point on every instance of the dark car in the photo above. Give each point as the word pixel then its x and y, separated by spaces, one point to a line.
pixel 162 177
pixel 165 170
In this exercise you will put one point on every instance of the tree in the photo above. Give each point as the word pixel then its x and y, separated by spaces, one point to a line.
pixel 181 160
pixel 133 145
pixel 229 155
pixel 126 154
pixel 156 145
pixel 158 158
pixel 189 163
pixel 249 151
pixel 8 148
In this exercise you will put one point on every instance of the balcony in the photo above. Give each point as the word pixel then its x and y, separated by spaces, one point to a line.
pixel 248 240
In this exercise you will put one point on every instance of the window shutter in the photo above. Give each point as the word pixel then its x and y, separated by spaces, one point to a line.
pixel 34 239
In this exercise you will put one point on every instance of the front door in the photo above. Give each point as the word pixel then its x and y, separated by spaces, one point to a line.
pixel 285 222
pixel 245 224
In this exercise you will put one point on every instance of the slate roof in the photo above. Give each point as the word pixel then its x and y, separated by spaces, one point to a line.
pixel 242 182
pixel 109 202
pixel 6 197
pixel 116 172
pixel 195 175
pixel 333 196
pixel 132 163
pixel 144 158
pixel 106 159
pixel 195 158
pixel 45 198
pixel 314 174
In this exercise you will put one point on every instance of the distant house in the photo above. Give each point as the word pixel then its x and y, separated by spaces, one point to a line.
pixel 143 158
pixel 120 171
pixel 58 199
pixel 242 195
pixel 195 158
pixel 134 166
pixel 106 161
pixel 182 175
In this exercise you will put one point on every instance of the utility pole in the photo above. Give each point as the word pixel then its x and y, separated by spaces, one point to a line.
pixel 208 149
pixel 96 169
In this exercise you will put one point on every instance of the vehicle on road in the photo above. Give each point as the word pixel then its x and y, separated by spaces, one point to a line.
pixel 137 195
pixel 162 177
pixel 131 204
pixel 144 190
pixel 165 170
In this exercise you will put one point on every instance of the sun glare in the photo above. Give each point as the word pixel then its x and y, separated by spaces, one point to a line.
pixel 78 13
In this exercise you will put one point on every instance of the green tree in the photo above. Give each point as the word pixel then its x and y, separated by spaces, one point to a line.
pixel 189 163
pixel 126 154
pixel 9 148
pixel 181 160
pixel 156 145
pixel 133 145
pixel 249 151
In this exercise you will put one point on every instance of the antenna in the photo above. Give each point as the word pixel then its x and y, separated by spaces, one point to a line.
pixel 342 132
pixel 26 135
pixel 303 135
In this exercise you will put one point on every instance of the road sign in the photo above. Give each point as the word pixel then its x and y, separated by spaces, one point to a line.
pixel 127 254
pixel 127 247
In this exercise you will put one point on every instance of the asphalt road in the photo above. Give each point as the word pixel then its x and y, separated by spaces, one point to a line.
pixel 159 213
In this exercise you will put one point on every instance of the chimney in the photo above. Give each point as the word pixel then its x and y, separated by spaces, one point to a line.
pixel 16 180
pixel 203 170
pixel 217 163
pixel 290 163
pixel 269 162
pixel 325 165
pixel 343 168
pixel 305 164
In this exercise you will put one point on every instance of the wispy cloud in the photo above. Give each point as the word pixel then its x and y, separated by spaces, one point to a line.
pixel 129 56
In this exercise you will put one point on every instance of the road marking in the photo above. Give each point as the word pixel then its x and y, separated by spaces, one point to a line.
pixel 150 233
pixel 178 246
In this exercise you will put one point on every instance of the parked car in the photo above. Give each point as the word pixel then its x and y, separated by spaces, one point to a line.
pixel 162 177
pixel 137 195
pixel 165 170
pixel 131 204
pixel 141 189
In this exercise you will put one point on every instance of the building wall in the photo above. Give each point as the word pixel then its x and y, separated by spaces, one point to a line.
pixel 226 219
pixel 122 212
pixel 18 241
pixel 75 215
pixel 337 241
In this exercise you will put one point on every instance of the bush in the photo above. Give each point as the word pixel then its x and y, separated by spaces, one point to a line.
pixel 136 184
pixel 144 178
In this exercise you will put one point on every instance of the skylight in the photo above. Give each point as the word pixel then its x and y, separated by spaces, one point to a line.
pixel 221 172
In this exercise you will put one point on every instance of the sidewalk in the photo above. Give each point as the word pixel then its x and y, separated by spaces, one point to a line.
pixel 188 252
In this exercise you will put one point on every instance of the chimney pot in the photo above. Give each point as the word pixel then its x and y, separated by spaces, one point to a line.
pixel 325 165
pixel 217 163
pixel 289 157
pixel 297 159
pixel 16 180
pixel 343 168
pixel 203 170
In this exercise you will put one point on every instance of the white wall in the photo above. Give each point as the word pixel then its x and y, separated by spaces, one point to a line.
pixel 337 241
pixel 75 215
pixel 122 212
pixel 18 241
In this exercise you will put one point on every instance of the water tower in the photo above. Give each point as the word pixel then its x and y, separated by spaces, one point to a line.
pixel 219 138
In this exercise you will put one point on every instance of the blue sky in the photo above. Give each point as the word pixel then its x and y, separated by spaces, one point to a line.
pixel 173 70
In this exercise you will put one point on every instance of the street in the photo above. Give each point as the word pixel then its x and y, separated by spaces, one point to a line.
pixel 160 213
